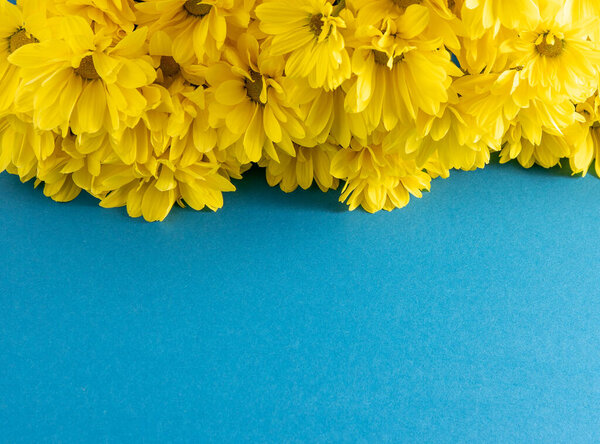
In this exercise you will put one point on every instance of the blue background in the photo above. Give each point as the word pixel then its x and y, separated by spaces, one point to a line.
pixel 472 314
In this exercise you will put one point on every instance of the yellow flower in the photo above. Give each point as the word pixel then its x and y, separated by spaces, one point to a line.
pixel 198 28
pixel 56 171
pixel 250 106
pixel 450 137
pixel 18 27
pixel 322 111
pixel 555 56
pixel 152 193
pixel 109 14
pixel 17 141
pixel 308 165
pixel 482 15
pixel 436 18
pixel 396 76
pixel 81 81
pixel 188 124
pixel 309 34
pixel 376 179
pixel 547 153
pixel 495 101
pixel 586 138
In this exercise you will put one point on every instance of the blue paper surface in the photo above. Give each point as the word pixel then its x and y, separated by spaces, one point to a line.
pixel 470 315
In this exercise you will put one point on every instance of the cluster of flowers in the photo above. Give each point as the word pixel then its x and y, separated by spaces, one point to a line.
pixel 145 104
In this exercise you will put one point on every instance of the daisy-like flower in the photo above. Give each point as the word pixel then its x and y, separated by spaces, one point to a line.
pixel 250 107
pixel 547 153
pixel 586 144
pixel 555 56
pixel 310 164
pixel 55 171
pixel 437 15
pixel 396 75
pixel 495 101
pixel 309 34
pixel 581 10
pixel 109 14
pixel 18 27
pixel 188 124
pixel 21 146
pixel 376 179
pixel 450 137
pixel 80 81
pixel 323 112
pixel 151 193
pixel 198 28
pixel 479 16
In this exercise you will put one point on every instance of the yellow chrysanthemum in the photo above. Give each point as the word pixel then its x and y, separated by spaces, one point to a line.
pixel 450 137
pixel 547 153
pixel 322 111
pixel 151 193
pixel 308 165
pixel 586 141
pixel 18 27
pixel 555 56
pixel 198 28
pixel 250 106
pixel 81 81
pixel 309 34
pixel 396 76
pixel 17 141
pixel 481 15
pixel 436 17
pixel 108 14
pixel 376 179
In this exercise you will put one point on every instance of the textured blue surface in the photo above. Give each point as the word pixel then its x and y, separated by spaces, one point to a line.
pixel 473 314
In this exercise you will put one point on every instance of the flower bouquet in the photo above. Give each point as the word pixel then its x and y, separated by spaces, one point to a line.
pixel 145 104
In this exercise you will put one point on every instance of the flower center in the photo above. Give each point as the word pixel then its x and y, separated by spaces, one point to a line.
pixel 548 49
pixel 86 69
pixel 197 9
pixel 406 3
pixel 254 87
pixel 381 58
pixel 316 24
pixel 18 39
pixel 168 66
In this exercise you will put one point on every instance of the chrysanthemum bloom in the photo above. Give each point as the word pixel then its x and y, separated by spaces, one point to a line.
pixel 17 141
pixel 80 80
pixel 198 28
pixel 309 33
pixel 17 28
pixel 310 164
pixel 188 124
pixel 482 54
pixel 547 153
pixel 151 193
pixel 497 100
pixel 109 14
pixel 375 179
pixel 555 56
pixel 56 170
pixel 581 10
pixel 396 75
pixel 586 141
pixel 250 106
pixel 452 137
pixel 322 111
pixel 437 15
pixel 479 16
